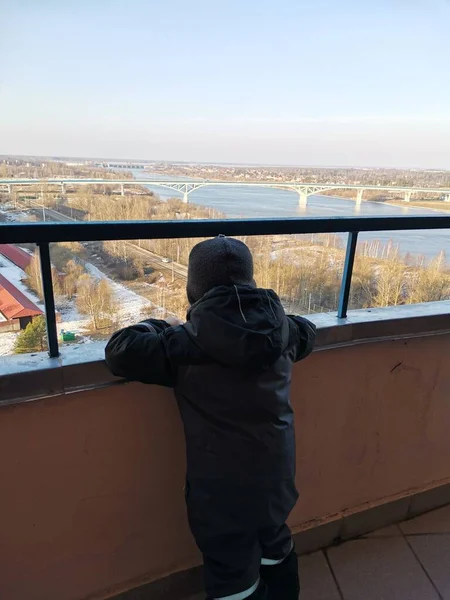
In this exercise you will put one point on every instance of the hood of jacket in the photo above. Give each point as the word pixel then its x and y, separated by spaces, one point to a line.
pixel 239 326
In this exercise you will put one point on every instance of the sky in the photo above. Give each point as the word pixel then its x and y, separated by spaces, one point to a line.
pixel 286 82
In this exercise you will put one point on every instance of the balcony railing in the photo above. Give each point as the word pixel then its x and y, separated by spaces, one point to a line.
pixel 43 234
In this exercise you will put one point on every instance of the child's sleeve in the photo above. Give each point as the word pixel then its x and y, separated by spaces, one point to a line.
pixel 138 353
pixel 304 335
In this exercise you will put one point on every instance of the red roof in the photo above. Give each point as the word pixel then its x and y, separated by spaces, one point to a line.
pixel 16 255
pixel 13 303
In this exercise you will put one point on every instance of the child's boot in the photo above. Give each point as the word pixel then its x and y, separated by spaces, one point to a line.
pixel 260 594
pixel 282 580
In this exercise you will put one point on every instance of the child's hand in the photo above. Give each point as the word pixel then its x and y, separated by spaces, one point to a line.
pixel 174 321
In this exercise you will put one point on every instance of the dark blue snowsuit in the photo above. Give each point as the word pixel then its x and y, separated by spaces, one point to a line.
pixel 230 365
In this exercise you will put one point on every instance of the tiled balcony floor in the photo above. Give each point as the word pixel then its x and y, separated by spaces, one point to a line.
pixel 410 561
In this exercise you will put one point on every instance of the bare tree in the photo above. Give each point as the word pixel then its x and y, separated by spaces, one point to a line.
pixel 430 283
pixel 34 280
pixel 73 273
pixel 34 275
pixel 390 284
pixel 96 299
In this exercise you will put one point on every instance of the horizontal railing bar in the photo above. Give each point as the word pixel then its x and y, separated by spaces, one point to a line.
pixel 127 230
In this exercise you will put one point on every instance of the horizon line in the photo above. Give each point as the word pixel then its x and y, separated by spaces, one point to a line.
pixel 57 157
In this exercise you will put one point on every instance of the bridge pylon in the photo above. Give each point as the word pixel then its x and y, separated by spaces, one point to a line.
pixel 359 197
pixel 302 198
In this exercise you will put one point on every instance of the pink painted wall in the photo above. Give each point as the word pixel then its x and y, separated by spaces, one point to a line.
pixel 92 483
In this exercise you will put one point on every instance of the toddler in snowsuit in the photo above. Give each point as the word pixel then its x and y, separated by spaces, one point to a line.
pixel 230 365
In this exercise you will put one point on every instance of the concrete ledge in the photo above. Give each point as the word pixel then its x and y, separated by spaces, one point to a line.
pixel 429 500
pixel 79 367
pixel 377 324
pixel 359 523
pixel 338 528
pixel 28 377
pixel 318 536
pixel 82 366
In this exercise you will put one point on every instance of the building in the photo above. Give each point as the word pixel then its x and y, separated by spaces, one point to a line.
pixel 16 310
pixel 16 255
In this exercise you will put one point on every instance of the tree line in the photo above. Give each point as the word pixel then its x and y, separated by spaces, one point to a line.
pixel 367 176
pixel 309 280
pixel 41 169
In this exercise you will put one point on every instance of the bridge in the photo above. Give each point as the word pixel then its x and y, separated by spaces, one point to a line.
pixel 186 187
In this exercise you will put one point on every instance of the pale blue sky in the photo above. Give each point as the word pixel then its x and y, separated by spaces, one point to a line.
pixel 259 81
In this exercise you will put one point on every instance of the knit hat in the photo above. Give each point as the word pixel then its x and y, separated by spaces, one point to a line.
pixel 219 261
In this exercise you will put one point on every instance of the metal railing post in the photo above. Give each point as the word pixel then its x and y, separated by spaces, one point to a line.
pixel 347 274
pixel 49 300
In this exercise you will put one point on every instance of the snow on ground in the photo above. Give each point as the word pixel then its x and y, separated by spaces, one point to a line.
pixel 132 306
pixel 7 341
pixel 27 250
pixel 72 320
pixel 14 215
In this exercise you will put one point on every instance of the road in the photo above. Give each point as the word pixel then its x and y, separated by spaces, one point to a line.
pixel 155 261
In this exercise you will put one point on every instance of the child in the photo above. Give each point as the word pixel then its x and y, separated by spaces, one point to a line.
pixel 230 365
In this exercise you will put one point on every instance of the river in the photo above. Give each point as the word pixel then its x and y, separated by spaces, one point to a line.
pixel 245 201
